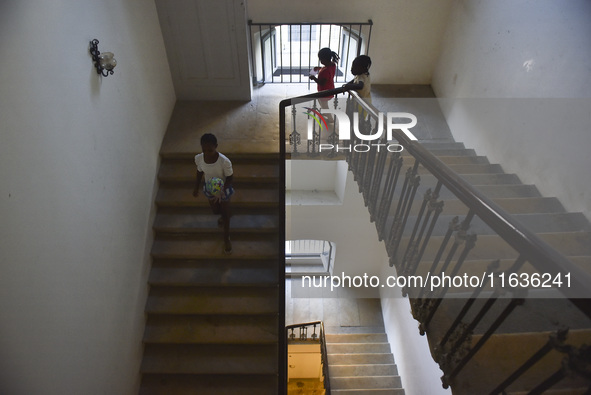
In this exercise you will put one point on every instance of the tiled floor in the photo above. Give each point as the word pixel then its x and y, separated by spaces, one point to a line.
pixel 253 127
pixel 342 313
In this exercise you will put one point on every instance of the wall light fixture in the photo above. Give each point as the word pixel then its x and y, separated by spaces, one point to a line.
pixel 104 62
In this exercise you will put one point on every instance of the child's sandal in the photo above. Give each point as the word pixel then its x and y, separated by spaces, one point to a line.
pixel 227 247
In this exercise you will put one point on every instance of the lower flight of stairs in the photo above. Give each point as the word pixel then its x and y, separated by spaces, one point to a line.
pixel 528 328
pixel 213 319
pixel 362 363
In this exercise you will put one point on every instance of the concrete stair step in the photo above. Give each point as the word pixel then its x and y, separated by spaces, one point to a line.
pixel 185 171
pixel 438 145
pixel 363 370
pixel 205 209
pixel 494 247
pixel 352 330
pixel 389 391
pixel 518 205
pixel 209 384
pixel 474 168
pixel 356 338
pixel 212 319
pixel 357 348
pixel 492 191
pixel 243 197
pixel 196 223
pixel 408 161
pixel 537 223
pixel 365 382
pixel 212 300
pixel 209 359
pixel 504 353
pixel 494 186
pixel 219 272
pixel 211 329
pixel 303 261
pixel 239 158
pixel 534 316
pixel 564 391
pixel 360 359
pixel 296 275
pixel 212 249
pixel 445 151
pixel 477 268
pixel 319 269
pixel 483 179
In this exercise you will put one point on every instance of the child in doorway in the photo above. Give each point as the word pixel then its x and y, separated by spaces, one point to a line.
pixel 212 164
pixel 325 79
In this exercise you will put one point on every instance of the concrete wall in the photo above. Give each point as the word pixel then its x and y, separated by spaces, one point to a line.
pixel 207 47
pixel 405 37
pixel 515 81
pixel 358 250
pixel 78 158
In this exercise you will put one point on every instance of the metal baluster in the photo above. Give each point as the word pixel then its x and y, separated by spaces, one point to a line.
pixel 414 256
pixel 362 159
pixel 315 135
pixel 411 184
pixel 519 298
pixel 426 308
pixel 454 226
pixel 369 172
pixel 314 335
pixel 437 208
pixel 377 182
pixel 349 111
pixel 333 138
pixel 303 332
pixel 294 137
pixel 469 242
pixel 492 267
pixel 555 340
pixel 577 361
pixel 411 248
pixel 388 197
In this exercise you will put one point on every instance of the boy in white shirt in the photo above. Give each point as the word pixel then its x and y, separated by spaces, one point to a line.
pixel 212 164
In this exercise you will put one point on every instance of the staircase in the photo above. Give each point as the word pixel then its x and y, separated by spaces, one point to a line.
pixel 213 319
pixel 362 363
pixel 529 327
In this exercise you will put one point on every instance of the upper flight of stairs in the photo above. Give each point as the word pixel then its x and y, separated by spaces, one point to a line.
pixel 528 328
pixel 362 363
pixel 212 319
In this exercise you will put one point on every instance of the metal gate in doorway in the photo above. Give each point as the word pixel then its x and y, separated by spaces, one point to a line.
pixel 286 53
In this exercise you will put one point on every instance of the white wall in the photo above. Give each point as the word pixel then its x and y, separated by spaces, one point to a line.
pixel 206 42
pixel 515 76
pixel 78 157
pixel 358 250
pixel 405 37
pixel 419 373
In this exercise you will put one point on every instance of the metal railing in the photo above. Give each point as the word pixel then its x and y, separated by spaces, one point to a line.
pixel 406 211
pixel 321 250
pixel 302 335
